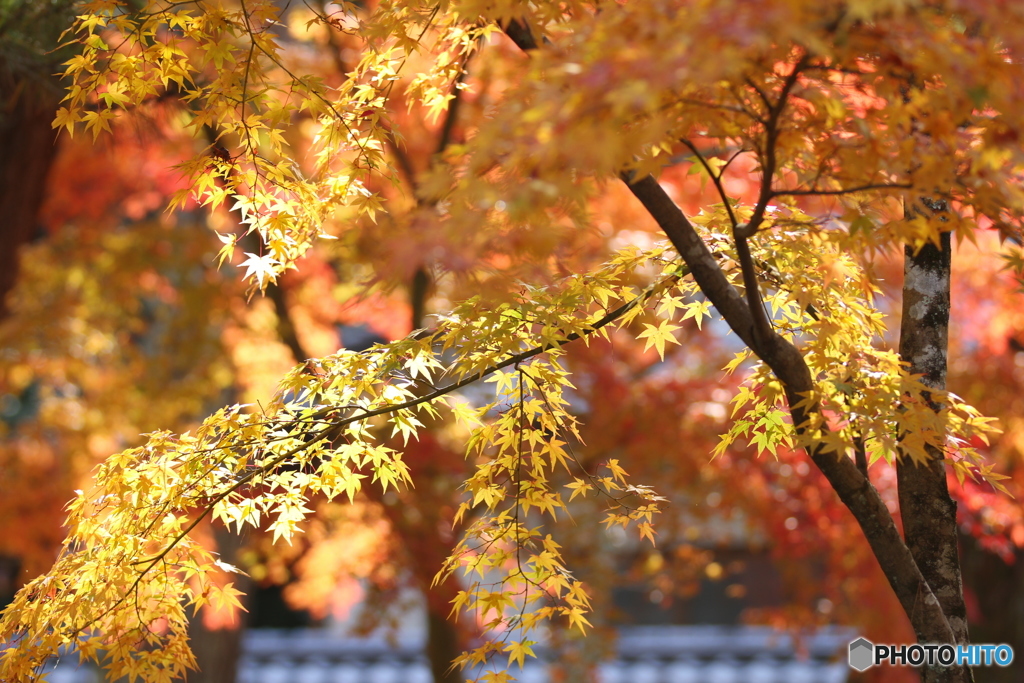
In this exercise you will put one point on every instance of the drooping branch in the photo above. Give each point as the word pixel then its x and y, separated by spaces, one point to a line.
pixel 332 427
pixel 336 426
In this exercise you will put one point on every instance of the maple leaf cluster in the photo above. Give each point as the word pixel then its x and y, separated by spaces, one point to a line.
pixel 471 152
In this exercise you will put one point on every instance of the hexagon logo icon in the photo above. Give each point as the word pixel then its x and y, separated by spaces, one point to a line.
pixel 862 654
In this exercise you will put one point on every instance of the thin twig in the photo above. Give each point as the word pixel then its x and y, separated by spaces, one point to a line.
pixel 716 178
pixel 814 192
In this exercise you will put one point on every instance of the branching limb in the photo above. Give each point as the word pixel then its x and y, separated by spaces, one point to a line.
pixel 716 178
pixel 860 455
pixel 760 319
pixel 769 162
pixel 761 325
pixel 419 288
pixel 789 366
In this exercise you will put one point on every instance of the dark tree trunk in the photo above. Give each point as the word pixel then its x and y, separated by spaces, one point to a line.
pixel 928 512
pixel 998 587
pixel 29 96
pixel 426 548
pixel 28 146
pixel 443 646
pixel 218 650
pixel 10 568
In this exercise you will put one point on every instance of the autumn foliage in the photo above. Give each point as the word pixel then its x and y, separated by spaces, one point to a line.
pixel 615 211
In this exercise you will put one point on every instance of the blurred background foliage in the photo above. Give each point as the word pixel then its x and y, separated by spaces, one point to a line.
pixel 117 322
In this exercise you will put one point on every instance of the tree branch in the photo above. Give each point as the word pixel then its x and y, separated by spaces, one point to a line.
pixel 786 361
pixel 833 193
pixel 695 253
pixel 285 322
pixel 716 178
pixel 274 291
pixel 769 164
pixel 520 33
pixel 762 327
pixel 419 288
pixel 788 364
pixel 452 114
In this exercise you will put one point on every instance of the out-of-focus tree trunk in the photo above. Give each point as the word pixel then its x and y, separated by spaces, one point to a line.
pixel 27 149
pixel 29 95
pixel 218 650
pixel 10 567
pixel 443 647
pixel 998 590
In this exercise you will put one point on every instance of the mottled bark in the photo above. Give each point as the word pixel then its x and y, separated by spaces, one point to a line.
pixel 928 512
